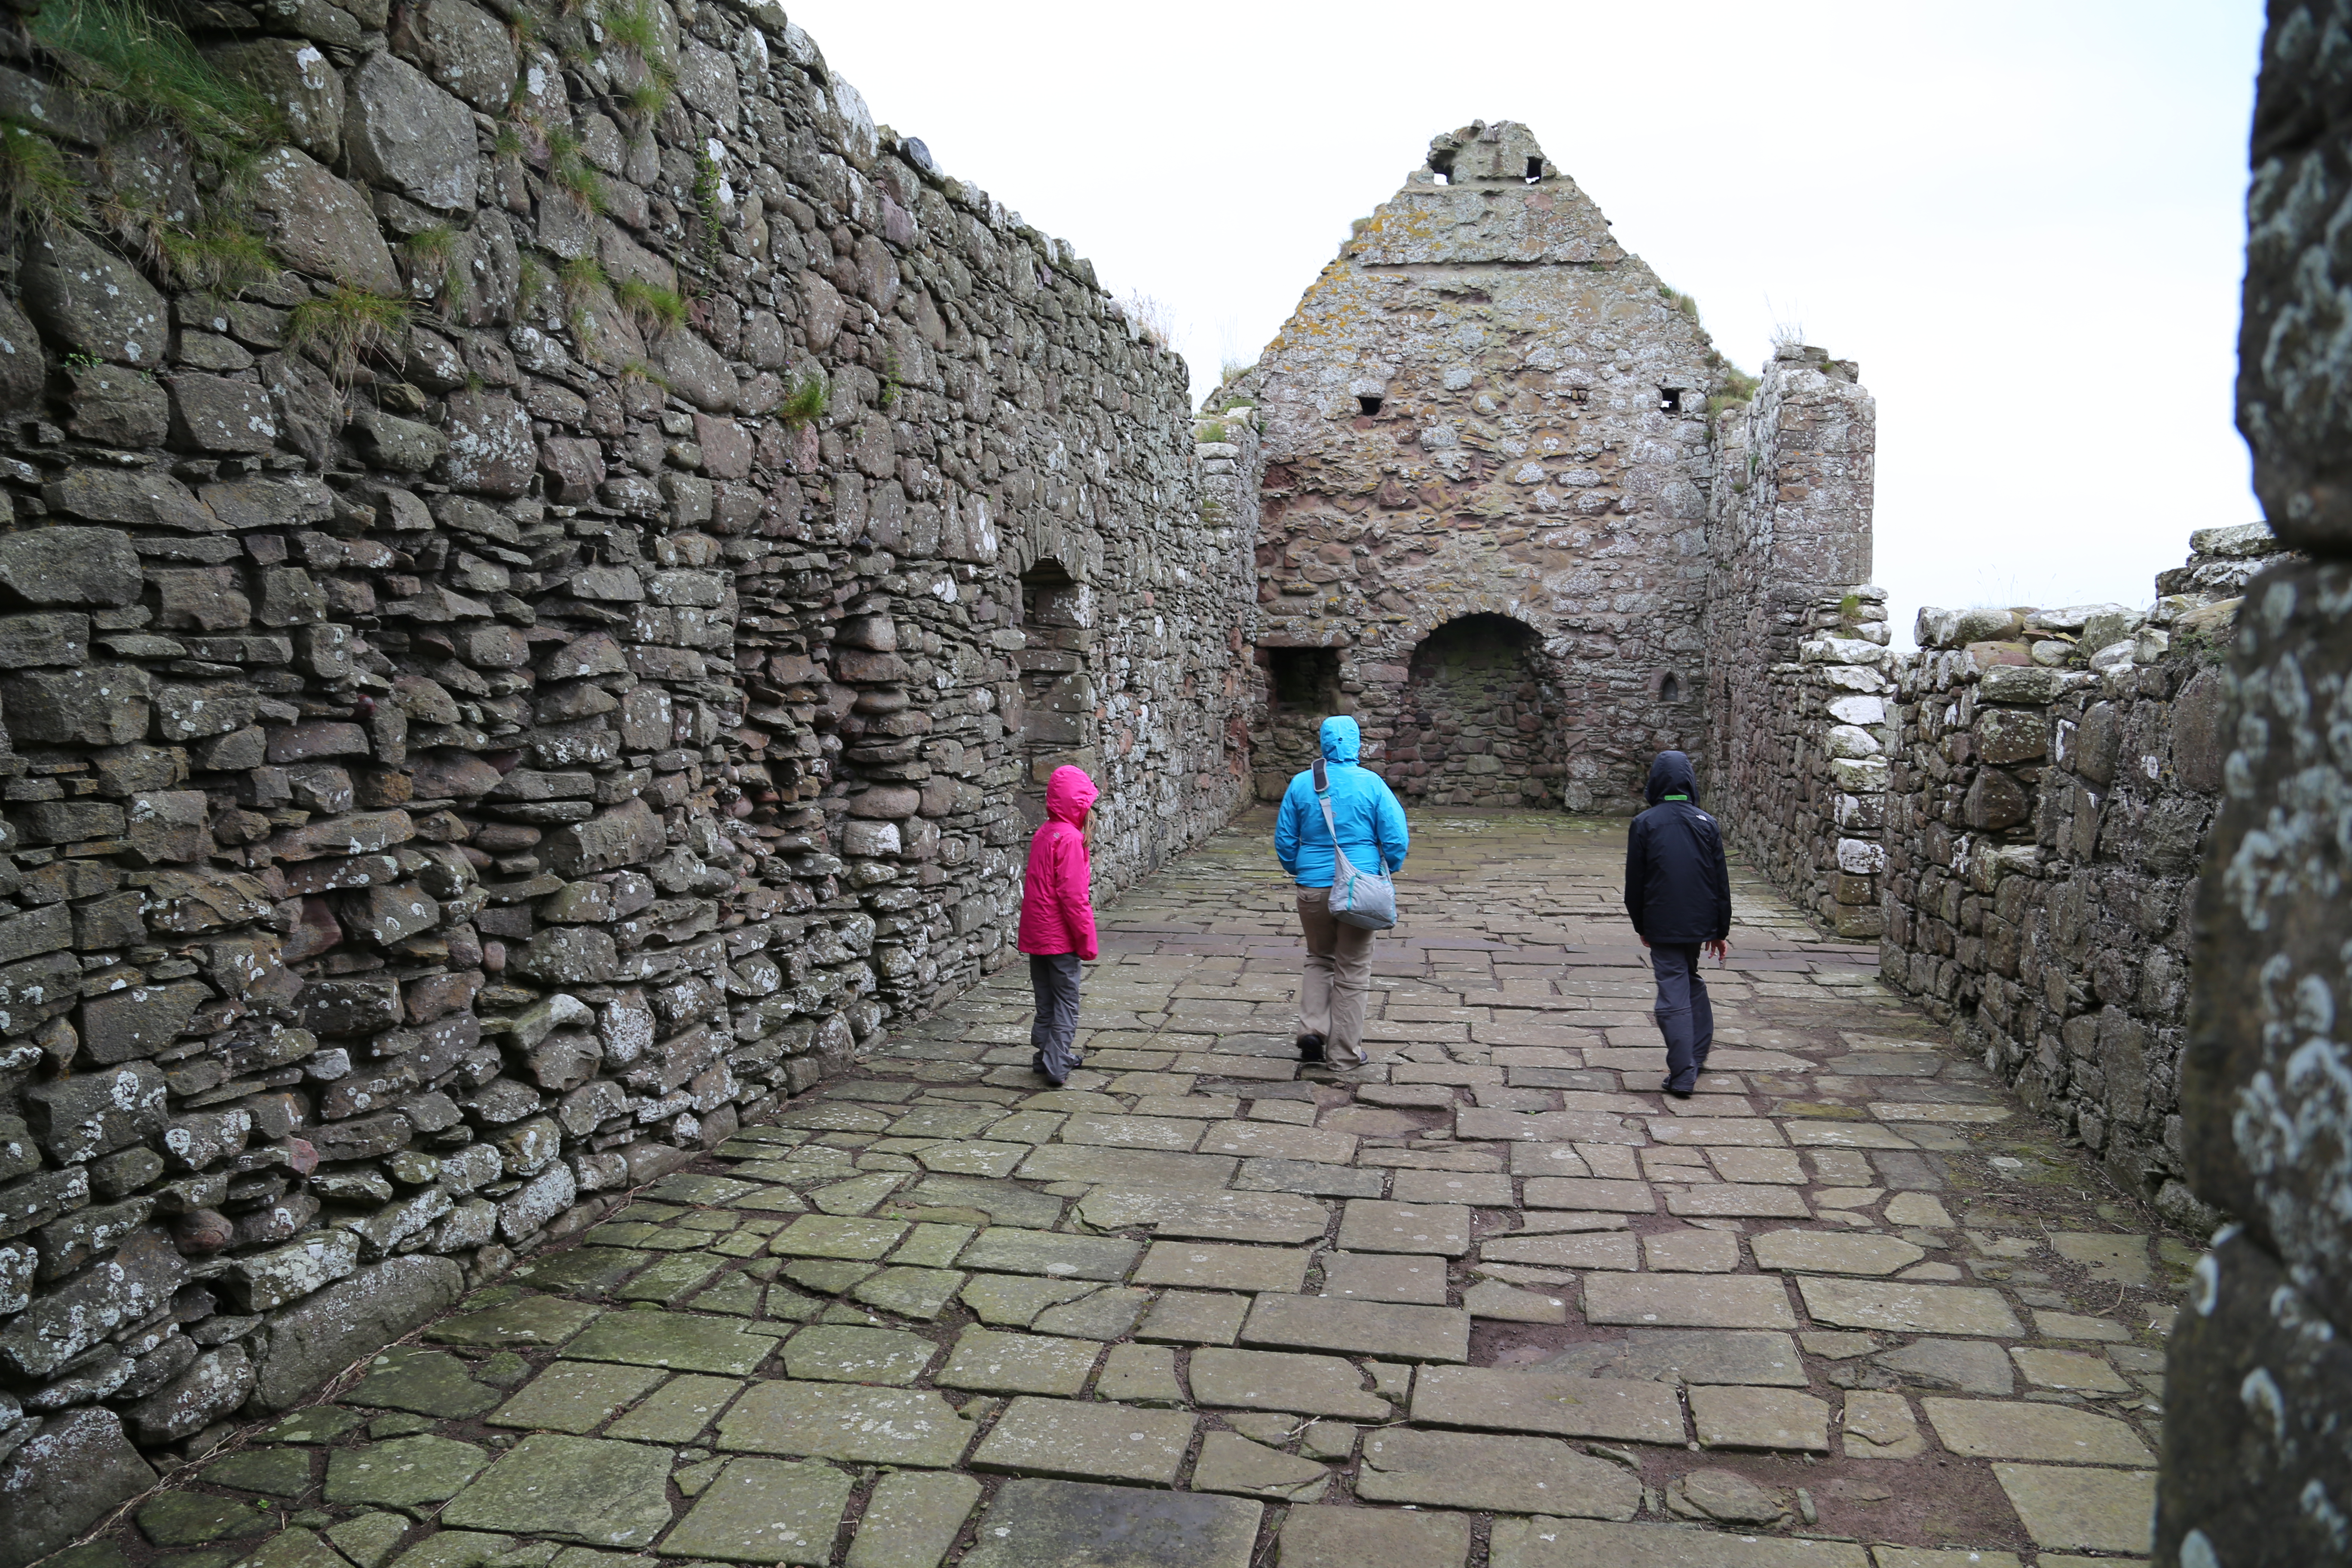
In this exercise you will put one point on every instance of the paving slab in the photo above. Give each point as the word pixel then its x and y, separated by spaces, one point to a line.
pixel 912 1520
pixel 1970 1366
pixel 588 1489
pixel 1195 1317
pixel 1062 1437
pixel 2068 1369
pixel 1017 1299
pixel 1108 1313
pixel 1034 1524
pixel 845 1237
pixel 1559 1404
pixel 430 1383
pixel 1587 1249
pixel 1492 1191
pixel 858 1425
pixel 1373 1225
pixel 1271 1380
pixel 1691 1251
pixel 1901 1307
pixel 678 1411
pixel 527 1321
pixel 765 1510
pixel 1099 1167
pixel 1493 1299
pixel 1737 1200
pixel 2083 1510
pixel 679 1341
pixel 1728 1417
pixel 2053 1433
pixel 575 1395
pixel 404 1473
pixel 1579 1543
pixel 1230 1462
pixel 1501 1474
pixel 1688 1355
pixel 1880 1425
pixel 1361 1328
pixel 1277 1141
pixel 1216 1266
pixel 1831 1252
pixel 1281 1219
pixel 1696 1302
pixel 1589 1193
pixel 1322 1537
pixel 844 1352
pixel 1373 1276
pixel 1140 1375
pixel 1019 1363
pixel 1008 1249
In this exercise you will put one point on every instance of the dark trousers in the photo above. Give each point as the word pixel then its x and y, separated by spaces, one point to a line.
pixel 1684 1017
pixel 1054 978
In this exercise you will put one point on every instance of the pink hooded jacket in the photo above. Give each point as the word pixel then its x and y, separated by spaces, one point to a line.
pixel 1057 913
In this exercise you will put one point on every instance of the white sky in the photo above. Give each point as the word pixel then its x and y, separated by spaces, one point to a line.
pixel 2024 220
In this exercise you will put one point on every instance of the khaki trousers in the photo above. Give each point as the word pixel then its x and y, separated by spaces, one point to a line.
pixel 1338 972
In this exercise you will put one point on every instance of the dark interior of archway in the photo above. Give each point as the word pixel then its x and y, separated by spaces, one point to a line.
pixel 1055 720
pixel 1481 720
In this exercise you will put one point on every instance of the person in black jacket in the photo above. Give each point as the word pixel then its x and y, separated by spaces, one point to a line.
pixel 1678 890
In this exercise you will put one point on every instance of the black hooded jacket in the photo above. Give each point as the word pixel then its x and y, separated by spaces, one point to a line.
pixel 1677 887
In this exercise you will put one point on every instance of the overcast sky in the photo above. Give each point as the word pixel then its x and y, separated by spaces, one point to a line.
pixel 2024 220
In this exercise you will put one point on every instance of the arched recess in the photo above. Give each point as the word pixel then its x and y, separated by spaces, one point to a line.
pixel 1480 719
pixel 1053 721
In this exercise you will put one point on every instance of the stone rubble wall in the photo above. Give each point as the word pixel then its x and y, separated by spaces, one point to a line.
pixel 1469 414
pixel 2255 1472
pixel 452 783
pixel 1795 694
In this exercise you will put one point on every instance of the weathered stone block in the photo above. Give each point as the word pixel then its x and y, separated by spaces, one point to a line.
pixel 91 1114
pixel 323 1334
pixel 74 1471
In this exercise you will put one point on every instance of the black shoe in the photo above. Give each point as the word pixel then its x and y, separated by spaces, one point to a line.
pixel 1310 1048
pixel 1678 1093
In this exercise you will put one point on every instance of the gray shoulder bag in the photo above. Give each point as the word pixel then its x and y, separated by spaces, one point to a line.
pixel 1358 898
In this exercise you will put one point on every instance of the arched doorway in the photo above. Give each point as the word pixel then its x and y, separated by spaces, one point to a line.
pixel 1480 719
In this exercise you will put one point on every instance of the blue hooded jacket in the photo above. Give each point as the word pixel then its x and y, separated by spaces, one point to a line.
pixel 1371 822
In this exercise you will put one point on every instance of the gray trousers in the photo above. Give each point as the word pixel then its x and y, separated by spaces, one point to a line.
pixel 1338 972
pixel 1684 1016
pixel 1054 980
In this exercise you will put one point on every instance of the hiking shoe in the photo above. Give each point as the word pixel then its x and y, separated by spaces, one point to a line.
pixel 1310 1048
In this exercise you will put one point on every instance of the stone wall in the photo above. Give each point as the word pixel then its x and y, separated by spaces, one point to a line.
pixel 2053 776
pixel 524 670
pixel 2255 1471
pixel 1486 406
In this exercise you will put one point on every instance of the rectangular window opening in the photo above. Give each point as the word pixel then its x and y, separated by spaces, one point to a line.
pixel 1670 400
pixel 1304 679
pixel 1535 169
pixel 1369 405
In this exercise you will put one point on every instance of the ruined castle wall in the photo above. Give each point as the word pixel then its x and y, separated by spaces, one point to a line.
pixel 2255 1471
pixel 1796 639
pixel 1486 406
pixel 452 780
pixel 2044 830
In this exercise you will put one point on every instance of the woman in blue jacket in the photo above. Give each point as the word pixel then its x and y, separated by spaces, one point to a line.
pixel 1372 832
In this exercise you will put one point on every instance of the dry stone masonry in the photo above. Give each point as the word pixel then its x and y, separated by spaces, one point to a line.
pixel 1493 493
pixel 545 560
pixel 537 594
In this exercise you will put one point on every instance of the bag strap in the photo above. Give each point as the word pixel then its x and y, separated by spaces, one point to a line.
pixel 1339 856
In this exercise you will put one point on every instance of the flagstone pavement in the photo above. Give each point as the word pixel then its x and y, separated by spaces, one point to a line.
pixel 1491 1300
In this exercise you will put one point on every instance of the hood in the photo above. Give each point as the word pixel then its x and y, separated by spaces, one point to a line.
pixel 1343 741
pixel 1068 794
pixel 1671 775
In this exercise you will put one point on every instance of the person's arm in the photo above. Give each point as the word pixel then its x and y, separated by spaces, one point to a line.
pixel 1719 870
pixel 1286 830
pixel 1074 877
pixel 1388 829
pixel 1637 871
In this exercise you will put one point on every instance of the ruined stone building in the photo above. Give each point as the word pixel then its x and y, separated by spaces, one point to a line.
pixel 544 559
pixel 1501 523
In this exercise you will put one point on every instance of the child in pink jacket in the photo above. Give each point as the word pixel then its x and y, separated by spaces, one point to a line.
pixel 1057 919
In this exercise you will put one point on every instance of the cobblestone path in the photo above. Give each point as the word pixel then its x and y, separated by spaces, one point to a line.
pixel 1491 1300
